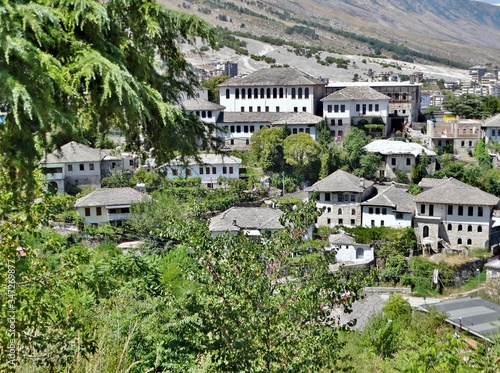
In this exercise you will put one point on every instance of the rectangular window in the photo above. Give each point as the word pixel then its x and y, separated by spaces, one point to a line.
pixel 479 211
pixel 460 210
pixel 214 170
pixel 470 211
pixel 304 109
pixel 377 211
pixel 258 109
pixel 342 108
pixel 308 130
pixel 98 211
pixel 245 129
pixel 267 109
pixel 82 167
pixel 70 168
pixel 230 169
pixel 174 172
pixel 224 170
pixel 332 133
pixel 408 161
pixel 493 133
pixel 332 122
pixel 399 215
pixel 353 198
pixel 376 107
pixel 203 114
pixel 277 109
pixel 238 129
pixel 336 108
pixel 87 211
pixel 188 172
pixel 252 129
pixel 250 109
pixel 207 170
pixel 381 223
pixel 370 210
pixel 232 129
pixel 328 221
pixel 341 133
pixel 201 170
pixel 384 211
pixel 295 109
pixel 340 122
pixel 422 209
pixel 357 107
pixel 327 196
pixel 353 222
pixel 341 221
pixel 210 114
pixel 373 223
pixel 431 210
pixel 370 107
pixel 450 209
pixel 130 163
pixel 91 166
pixel 393 161
pixel 329 108
pixel 242 109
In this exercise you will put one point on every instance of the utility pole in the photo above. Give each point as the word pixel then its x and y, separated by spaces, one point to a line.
pixel 283 181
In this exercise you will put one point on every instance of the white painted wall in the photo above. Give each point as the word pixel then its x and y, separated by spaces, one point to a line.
pixel 209 177
pixel 389 218
pixel 347 253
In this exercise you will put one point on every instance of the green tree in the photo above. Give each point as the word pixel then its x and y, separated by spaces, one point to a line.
pixel 267 147
pixel 368 165
pixel 66 68
pixel 302 152
pixel 353 144
pixel 213 87
pixel 482 155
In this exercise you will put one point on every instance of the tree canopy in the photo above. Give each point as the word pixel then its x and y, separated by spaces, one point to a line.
pixel 68 66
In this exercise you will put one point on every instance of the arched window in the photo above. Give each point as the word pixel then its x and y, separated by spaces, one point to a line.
pixel 339 212
pixel 293 93
pixel 462 143
pixel 275 93
pixel 281 92
pixel 425 231
pixel 306 93
pixel 469 241
pixel 469 228
pixel 227 93
pixel 360 253
pixel 237 93
pixel 299 93
pixel 247 142
pixel 470 144
pixel 262 93
pixel 459 227
pixel 449 227
pixel 249 92
pixel 243 93
pixel 255 93
pixel 459 241
pixel 479 228
pixel 268 93
pixel 353 212
pixel 329 209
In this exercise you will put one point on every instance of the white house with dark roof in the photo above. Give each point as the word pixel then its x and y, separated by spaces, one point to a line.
pixel 391 207
pixel 348 252
pixel 208 167
pixel 399 155
pixel 208 112
pixel 491 128
pixel 109 205
pixel 251 221
pixel 341 194
pixel 452 214
pixel 351 105
pixel 273 90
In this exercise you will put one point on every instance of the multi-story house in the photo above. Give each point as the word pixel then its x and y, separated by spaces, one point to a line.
pixel 391 207
pixel 452 214
pixel 273 90
pixel 210 168
pixel 341 194
pixel 462 135
pixel 491 128
pixel 351 105
pixel 76 164
pixel 399 155
pixel 109 205
pixel 207 111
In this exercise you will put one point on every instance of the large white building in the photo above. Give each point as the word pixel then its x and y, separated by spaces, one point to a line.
pixel 210 168
pixel 355 106
pixel 273 90
pixel 391 207
pixel 453 214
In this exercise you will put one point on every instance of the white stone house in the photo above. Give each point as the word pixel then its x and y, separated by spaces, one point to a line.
pixel 109 205
pixel 340 194
pixel 399 155
pixel 208 167
pixel 391 207
pixel 208 112
pixel 273 90
pixel 348 106
pixel 453 214
pixel 347 252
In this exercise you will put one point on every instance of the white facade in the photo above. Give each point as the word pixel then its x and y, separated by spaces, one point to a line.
pixel 100 215
pixel 379 216
pixel 354 253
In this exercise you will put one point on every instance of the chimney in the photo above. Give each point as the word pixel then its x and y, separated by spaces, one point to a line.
pixel 234 222
pixel 361 182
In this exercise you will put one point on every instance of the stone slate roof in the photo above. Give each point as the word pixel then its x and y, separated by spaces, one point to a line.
pixel 203 159
pixel 238 218
pixel 397 198
pixel 74 152
pixel 428 182
pixel 111 197
pixel 356 93
pixel 387 147
pixel 195 104
pixel 492 122
pixel 281 76
pixel 271 118
pixel 454 192
pixel 340 181
pixel 343 238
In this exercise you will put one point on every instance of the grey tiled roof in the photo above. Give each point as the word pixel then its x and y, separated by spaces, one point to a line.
pixel 282 76
pixel 428 182
pixel 74 152
pixel 201 104
pixel 271 118
pixel 492 122
pixel 246 218
pixel 356 93
pixel 397 198
pixel 341 181
pixel 452 191
pixel 111 197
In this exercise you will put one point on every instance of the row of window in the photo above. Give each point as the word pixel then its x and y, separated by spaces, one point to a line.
pixel 335 108
pixel 206 170
pixel 267 93
pixel 340 197
pixel 340 221
pixel 251 129
pixel 259 109
pixel 339 122
pixel 81 166
pixel 339 211
pixel 451 210
pixel 377 210
pixel 469 228
pixel 334 134
pixel 98 211
pixel 393 161
pixel 204 114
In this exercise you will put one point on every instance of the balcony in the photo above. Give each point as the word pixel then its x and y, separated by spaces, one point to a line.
pixel 55 176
